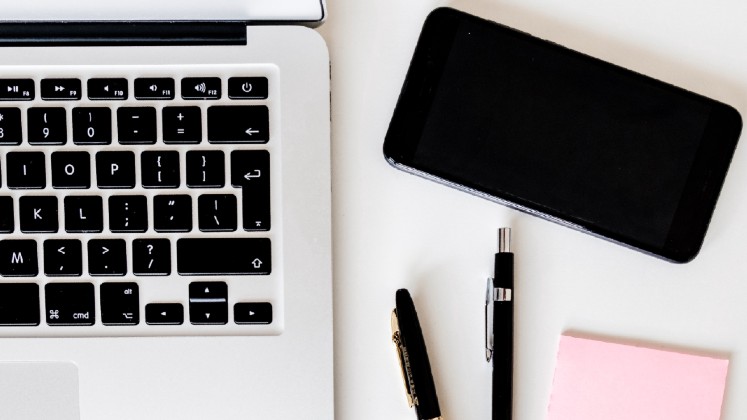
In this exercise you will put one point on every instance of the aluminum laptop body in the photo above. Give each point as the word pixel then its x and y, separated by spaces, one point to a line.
pixel 106 340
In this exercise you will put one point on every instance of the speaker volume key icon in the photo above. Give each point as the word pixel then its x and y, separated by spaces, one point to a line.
pixel 201 88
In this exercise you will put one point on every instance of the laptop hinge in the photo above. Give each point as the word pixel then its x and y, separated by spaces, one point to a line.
pixel 42 33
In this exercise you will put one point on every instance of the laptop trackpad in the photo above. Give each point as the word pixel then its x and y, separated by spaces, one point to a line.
pixel 39 391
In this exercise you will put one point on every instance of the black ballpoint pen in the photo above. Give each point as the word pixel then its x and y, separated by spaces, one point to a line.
pixel 413 358
pixel 499 327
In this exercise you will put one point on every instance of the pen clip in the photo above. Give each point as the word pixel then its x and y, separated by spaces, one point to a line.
pixel 404 361
pixel 489 313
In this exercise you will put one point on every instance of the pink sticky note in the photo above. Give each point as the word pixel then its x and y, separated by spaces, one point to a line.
pixel 596 380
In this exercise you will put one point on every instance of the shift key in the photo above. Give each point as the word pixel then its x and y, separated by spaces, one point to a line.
pixel 223 256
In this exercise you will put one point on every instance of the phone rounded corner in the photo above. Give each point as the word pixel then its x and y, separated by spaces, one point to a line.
pixel 390 155
pixel 734 118
pixel 683 254
pixel 685 257
pixel 727 122
pixel 441 12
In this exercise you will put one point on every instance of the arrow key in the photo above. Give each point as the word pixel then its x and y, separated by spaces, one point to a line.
pixel 252 313
pixel 208 313
pixel 208 303
pixel 164 314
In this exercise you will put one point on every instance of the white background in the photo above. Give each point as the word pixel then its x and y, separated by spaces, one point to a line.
pixel 395 230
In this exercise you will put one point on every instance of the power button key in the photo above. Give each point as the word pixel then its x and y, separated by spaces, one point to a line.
pixel 247 88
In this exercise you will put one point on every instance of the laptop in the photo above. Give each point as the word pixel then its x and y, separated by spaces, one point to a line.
pixel 165 235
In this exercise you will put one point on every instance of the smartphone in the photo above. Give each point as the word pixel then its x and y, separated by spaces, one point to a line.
pixel 559 134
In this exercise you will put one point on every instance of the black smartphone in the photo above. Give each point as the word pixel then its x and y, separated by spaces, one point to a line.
pixel 562 135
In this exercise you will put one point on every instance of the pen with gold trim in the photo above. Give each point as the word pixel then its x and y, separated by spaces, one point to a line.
pixel 413 358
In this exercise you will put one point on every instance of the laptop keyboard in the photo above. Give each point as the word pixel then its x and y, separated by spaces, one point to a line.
pixel 139 202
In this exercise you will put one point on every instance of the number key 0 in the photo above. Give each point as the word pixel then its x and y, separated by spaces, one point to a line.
pixel 92 126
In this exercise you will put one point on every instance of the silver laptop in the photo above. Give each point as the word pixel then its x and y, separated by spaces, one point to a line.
pixel 165 240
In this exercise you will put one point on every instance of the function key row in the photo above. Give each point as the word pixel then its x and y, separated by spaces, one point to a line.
pixel 136 125
pixel 146 88
pixel 73 304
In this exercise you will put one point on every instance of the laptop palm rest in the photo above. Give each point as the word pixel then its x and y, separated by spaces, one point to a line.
pixel 39 391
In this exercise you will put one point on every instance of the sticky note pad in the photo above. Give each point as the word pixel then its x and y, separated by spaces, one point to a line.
pixel 597 380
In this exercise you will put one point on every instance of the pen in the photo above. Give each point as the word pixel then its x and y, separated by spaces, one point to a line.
pixel 499 326
pixel 413 358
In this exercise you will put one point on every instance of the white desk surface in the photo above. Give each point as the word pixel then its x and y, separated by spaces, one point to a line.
pixel 394 230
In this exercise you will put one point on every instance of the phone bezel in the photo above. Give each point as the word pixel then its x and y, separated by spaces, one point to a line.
pixel 703 185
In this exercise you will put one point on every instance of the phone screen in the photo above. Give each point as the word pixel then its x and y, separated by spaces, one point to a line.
pixel 560 133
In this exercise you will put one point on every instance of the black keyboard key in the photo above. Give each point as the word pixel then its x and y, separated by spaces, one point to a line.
pixel 201 88
pixel 92 126
pixel 107 257
pixel 128 213
pixel 136 125
pixel 16 89
pixel 208 303
pixel 47 126
pixel 18 258
pixel 252 313
pixel 10 127
pixel 223 256
pixel 154 88
pixel 238 124
pixel 70 304
pixel 172 213
pixel 217 212
pixel 61 89
pixel 247 88
pixel 19 304
pixel 250 170
pixel 164 314
pixel 160 169
pixel 63 257
pixel 182 125
pixel 38 214
pixel 151 257
pixel 248 166
pixel 84 214
pixel 107 89
pixel 120 304
pixel 208 292
pixel 71 170
pixel 115 169
pixel 7 221
pixel 206 169
pixel 26 170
